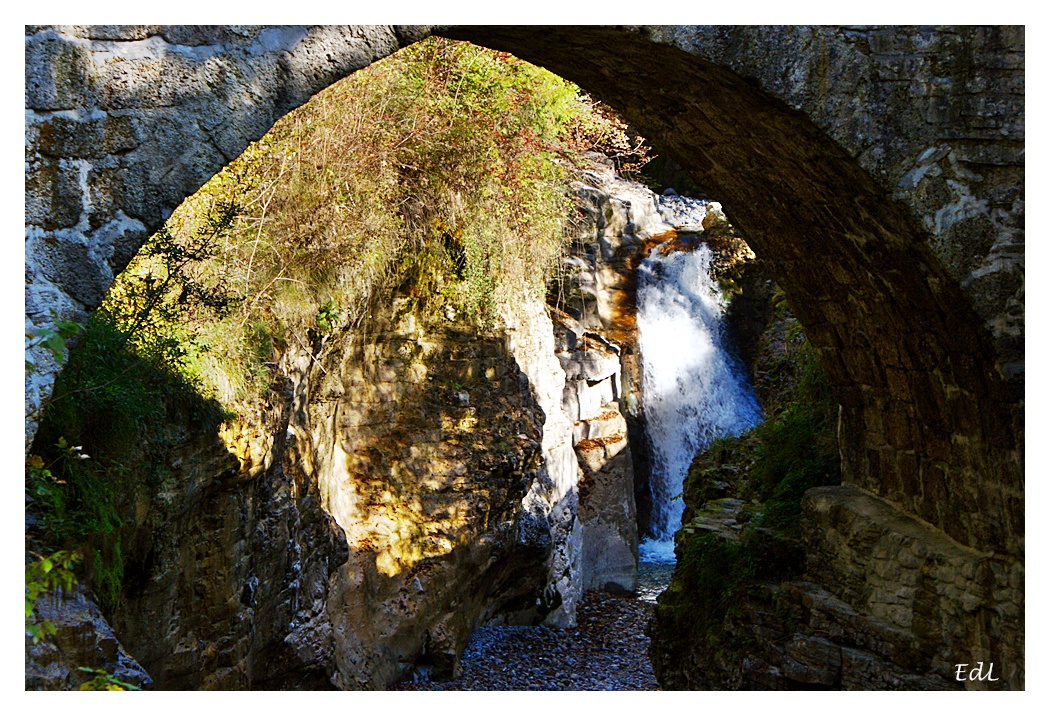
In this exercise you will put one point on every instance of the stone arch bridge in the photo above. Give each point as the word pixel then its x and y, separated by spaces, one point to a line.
pixel 879 171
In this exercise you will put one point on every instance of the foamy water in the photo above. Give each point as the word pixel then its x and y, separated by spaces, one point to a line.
pixel 694 389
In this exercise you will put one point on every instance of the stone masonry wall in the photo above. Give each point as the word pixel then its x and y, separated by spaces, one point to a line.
pixel 124 122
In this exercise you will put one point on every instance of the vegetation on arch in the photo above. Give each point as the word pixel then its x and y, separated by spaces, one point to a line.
pixel 445 165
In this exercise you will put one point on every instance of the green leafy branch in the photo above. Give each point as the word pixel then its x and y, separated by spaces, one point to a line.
pixel 104 681
pixel 327 316
pixel 53 338
pixel 43 575
pixel 167 291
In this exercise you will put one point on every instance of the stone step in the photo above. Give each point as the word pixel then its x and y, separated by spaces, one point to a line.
pixel 608 421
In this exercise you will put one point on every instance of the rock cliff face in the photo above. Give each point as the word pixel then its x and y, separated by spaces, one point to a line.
pixel 882 603
pixel 597 343
pixel 359 530
pixel 409 479
pixel 231 566
pixel 424 439
pixel 83 639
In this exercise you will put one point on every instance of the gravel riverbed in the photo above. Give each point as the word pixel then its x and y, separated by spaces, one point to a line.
pixel 606 651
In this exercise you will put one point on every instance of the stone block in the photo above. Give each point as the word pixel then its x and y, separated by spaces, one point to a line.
pixel 596 455
pixel 604 424
pixel 59 75
pixel 592 396
pixel 609 558
pixel 54 196
pixel 591 365
pixel 813 661
pixel 91 138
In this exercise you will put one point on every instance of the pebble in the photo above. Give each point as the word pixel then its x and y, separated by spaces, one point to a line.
pixel 606 651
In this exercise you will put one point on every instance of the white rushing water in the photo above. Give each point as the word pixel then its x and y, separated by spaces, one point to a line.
pixel 694 389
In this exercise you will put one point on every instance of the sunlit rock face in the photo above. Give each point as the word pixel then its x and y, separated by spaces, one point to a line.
pixel 531 340
pixel 592 400
pixel 396 495
pixel 424 439
pixel 597 335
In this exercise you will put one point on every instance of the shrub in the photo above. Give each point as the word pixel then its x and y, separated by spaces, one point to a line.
pixel 796 448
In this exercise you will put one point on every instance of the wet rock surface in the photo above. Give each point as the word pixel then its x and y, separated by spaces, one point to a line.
pixel 606 651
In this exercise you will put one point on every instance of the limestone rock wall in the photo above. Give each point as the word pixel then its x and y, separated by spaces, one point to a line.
pixel 403 486
pixel 592 400
pixel 425 442
pixel 607 508
pixel 553 499
pixel 597 344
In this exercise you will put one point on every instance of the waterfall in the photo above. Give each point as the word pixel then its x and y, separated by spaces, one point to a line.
pixel 694 389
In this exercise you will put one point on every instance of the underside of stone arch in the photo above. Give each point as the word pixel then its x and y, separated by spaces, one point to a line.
pixel 878 171
pixel 927 420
